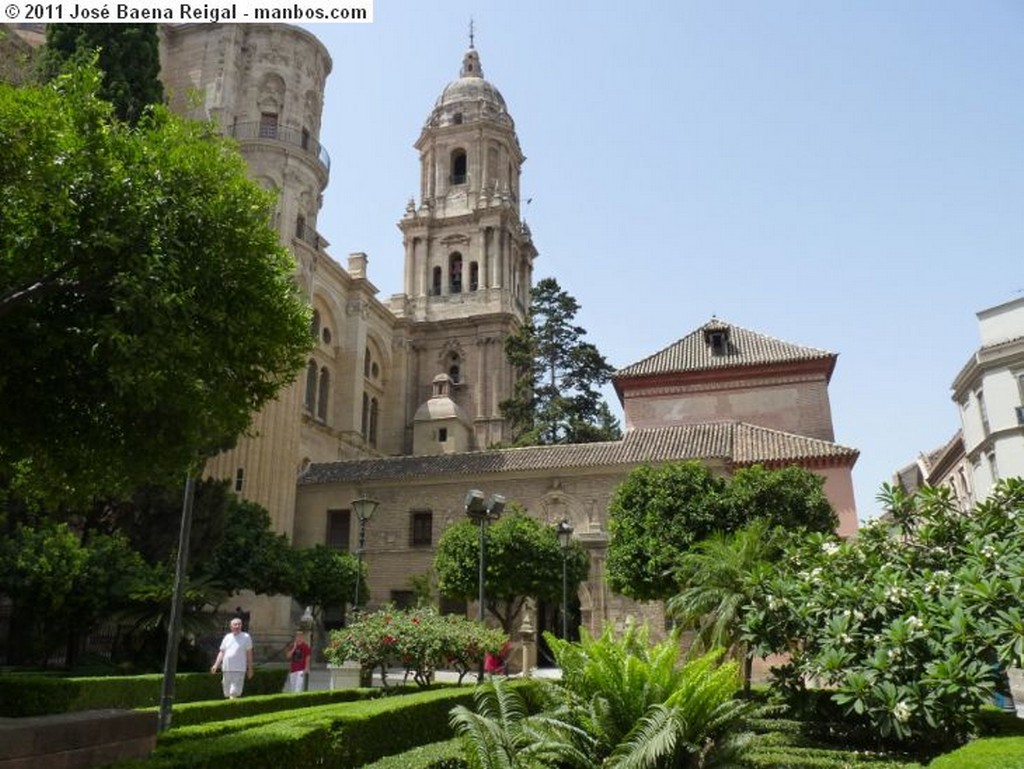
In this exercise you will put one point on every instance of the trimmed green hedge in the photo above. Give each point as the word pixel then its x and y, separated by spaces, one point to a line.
pixel 211 711
pixel 986 753
pixel 438 755
pixel 346 735
pixel 37 695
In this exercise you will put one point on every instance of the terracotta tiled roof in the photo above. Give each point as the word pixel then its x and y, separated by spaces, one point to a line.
pixel 744 348
pixel 735 442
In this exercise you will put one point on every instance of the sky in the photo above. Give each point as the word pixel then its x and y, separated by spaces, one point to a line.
pixel 837 174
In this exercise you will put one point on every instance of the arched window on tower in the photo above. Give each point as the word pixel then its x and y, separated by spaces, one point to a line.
pixel 373 421
pixel 474 276
pixel 323 395
pixel 454 368
pixel 460 173
pixel 435 288
pixel 455 273
pixel 311 371
pixel 366 417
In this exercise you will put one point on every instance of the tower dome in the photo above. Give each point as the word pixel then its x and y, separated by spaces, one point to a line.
pixel 470 98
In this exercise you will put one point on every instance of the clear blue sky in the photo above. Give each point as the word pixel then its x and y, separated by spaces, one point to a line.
pixel 845 175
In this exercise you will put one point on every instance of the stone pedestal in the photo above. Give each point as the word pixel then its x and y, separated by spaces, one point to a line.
pixel 344 676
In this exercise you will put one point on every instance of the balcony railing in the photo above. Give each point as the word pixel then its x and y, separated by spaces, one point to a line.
pixel 296 137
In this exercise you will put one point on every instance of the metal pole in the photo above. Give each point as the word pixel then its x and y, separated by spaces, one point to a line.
pixel 359 568
pixel 480 609
pixel 177 602
pixel 565 598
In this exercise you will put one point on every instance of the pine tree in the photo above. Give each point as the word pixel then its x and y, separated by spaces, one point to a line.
pixel 557 397
pixel 129 57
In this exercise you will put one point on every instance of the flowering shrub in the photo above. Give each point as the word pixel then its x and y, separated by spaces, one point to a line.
pixel 910 624
pixel 420 641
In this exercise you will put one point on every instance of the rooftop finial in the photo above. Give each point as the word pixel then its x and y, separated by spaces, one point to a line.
pixel 471 32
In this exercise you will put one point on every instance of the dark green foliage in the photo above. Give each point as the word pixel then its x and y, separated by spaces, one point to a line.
pixel 512 541
pixel 655 515
pixel 148 307
pixel 129 56
pixel 556 398
pixel 790 497
pixel 22 695
pixel 62 585
pixel 659 512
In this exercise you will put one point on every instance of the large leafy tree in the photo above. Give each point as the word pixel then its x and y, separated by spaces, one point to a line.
pixel 557 397
pixel 128 55
pixel 660 512
pixel 523 560
pixel 791 497
pixel 655 515
pixel 147 306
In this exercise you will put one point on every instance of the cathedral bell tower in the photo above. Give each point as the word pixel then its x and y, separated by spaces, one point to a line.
pixel 468 255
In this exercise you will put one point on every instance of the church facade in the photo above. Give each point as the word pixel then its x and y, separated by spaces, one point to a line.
pixel 399 400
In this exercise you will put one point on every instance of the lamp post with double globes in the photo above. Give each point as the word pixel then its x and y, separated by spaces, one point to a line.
pixel 481 512
pixel 364 509
pixel 564 531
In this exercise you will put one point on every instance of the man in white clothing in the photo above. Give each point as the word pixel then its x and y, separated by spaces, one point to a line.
pixel 234 659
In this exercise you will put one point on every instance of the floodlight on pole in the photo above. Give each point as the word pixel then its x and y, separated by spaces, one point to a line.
pixel 564 530
pixel 480 512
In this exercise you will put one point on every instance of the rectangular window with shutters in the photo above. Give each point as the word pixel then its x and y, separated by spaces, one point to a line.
pixel 421 528
pixel 339 523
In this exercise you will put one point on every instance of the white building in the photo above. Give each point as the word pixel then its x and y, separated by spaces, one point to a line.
pixel 990 392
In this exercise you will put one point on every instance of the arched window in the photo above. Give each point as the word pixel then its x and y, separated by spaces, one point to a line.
pixel 366 417
pixel 324 394
pixel 373 421
pixel 435 287
pixel 455 273
pixel 474 276
pixel 459 167
pixel 311 370
pixel 453 373
pixel 366 364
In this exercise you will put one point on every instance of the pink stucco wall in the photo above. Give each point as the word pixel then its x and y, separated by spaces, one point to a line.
pixel 839 490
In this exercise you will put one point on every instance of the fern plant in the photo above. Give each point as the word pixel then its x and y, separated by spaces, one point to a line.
pixel 500 733
pixel 642 708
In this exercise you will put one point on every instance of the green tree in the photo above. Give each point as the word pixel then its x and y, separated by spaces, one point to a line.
pixel 128 55
pixel 61 586
pixel 556 398
pixel 655 516
pixel 148 308
pixel 326 577
pixel 660 512
pixel 791 497
pixel 717 579
pixel 512 542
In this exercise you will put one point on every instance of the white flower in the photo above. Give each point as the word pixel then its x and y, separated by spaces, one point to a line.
pixel 830 548
pixel 902 711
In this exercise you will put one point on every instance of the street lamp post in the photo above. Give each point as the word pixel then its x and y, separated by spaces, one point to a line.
pixel 364 508
pixel 480 512
pixel 564 531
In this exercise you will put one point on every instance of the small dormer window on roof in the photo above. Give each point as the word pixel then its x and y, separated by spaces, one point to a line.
pixel 716 336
